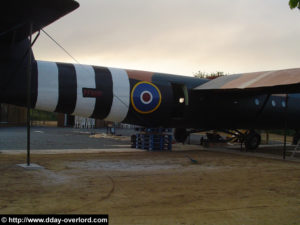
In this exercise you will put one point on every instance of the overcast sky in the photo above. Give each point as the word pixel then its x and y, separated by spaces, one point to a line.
pixel 178 36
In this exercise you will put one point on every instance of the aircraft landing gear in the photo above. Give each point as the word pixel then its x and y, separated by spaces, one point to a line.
pixel 252 140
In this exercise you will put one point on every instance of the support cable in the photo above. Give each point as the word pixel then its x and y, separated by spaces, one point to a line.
pixel 59 45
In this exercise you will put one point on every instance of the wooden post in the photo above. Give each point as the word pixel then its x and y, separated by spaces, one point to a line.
pixel 267 137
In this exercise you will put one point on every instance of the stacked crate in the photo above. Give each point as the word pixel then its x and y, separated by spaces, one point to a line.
pixel 153 139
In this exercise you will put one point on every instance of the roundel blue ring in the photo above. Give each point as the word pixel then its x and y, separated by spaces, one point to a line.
pixel 136 93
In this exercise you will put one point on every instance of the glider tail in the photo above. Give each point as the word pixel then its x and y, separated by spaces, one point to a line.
pixel 19 19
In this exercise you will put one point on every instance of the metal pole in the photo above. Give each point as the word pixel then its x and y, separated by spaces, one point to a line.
pixel 285 125
pixel 29 96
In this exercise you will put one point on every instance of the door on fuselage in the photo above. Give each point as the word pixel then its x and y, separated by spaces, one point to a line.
pixel 180 100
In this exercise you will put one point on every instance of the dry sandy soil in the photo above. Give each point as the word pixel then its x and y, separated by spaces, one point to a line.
pixel 155 188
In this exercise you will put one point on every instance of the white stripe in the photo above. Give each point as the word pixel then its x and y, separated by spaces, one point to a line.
pixel 47 97
pixel 246 84
pixel 85 79
pixel 121 89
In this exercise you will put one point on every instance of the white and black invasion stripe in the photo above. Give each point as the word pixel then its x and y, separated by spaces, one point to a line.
pixel 60 89
pixel 47 87
pixel 67 88
pixel 121 95
pixel 104 83
pixel 85 79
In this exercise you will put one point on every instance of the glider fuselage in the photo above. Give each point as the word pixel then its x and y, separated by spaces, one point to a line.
pixel 147 99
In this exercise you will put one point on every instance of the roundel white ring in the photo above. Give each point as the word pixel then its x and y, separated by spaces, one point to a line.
pixel 142 97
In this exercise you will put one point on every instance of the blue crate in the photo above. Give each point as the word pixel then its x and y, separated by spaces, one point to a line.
pixel 154 139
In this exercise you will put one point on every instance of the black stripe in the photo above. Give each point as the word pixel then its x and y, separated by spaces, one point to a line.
pixel 67 86
pixel 104 84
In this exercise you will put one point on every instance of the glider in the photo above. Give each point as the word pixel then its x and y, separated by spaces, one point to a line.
pixel 261 100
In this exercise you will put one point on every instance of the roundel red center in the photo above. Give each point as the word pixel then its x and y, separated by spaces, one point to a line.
pixel 146 97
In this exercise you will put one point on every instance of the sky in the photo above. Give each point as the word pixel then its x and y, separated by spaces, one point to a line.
pixel 177 36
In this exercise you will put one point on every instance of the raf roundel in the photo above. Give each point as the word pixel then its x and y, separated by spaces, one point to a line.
pixel 145 97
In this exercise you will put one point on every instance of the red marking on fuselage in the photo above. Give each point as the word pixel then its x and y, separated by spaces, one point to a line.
pixel 91 93
pixel 140 75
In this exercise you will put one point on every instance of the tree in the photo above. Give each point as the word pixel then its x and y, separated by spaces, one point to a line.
pixel 294 3
pixel 210 76
pixel 200 74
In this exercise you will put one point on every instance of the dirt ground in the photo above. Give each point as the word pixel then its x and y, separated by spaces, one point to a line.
pixel 155 187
